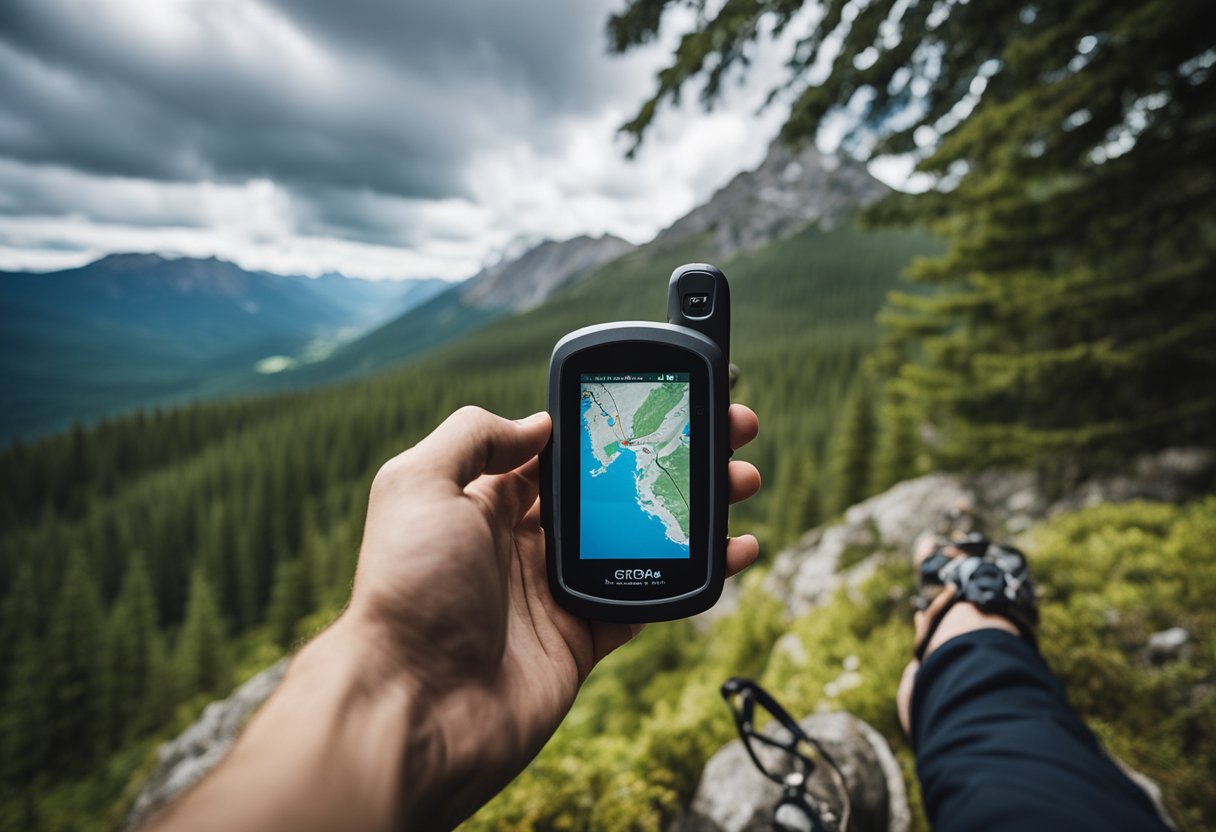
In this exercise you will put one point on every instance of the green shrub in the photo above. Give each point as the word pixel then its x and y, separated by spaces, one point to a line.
pixel 631 752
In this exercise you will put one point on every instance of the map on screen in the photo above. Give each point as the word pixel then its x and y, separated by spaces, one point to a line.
pixel 634 481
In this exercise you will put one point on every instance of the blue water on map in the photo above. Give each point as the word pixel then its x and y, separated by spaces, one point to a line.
pixel 612 524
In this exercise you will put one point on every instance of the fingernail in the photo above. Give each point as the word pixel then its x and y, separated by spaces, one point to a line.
pixel 534 418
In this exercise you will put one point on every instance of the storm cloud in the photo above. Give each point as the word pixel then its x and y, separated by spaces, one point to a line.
pixel 246 125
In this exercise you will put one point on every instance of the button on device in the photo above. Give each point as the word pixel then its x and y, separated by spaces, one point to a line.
pixel 696 306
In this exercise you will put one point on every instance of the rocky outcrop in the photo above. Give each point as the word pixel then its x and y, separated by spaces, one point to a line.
pixel 808 572
pixel 529 280
pixel 790 190
pixel 181 762
pixel 732 795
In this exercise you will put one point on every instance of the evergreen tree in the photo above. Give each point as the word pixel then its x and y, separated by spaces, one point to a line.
pixel 898 448
pixel 806 499
pixel 136 656
pixel 1067 149
pixel 288 601
pixel 852 450
pixel 74 662
pixel 202 656
pixel 795 505
pixel 23 709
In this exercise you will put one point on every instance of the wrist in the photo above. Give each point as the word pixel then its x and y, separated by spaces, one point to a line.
pixel 426 734
pixel 382 721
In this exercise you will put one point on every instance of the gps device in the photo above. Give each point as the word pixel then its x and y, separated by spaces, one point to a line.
pixel 633 481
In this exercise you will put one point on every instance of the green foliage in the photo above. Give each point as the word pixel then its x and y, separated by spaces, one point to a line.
pixel 136 658
pixel 24 717
pixel 1066 148
pixel 898 451
pixel 630 753
pixel 853 450
pixel 78 688
pixel 1112 576
pixel 202 659
pixel 289 602
pixel 245 516
pixel 799 505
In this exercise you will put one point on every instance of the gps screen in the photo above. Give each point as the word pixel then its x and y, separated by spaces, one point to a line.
pixel 633 463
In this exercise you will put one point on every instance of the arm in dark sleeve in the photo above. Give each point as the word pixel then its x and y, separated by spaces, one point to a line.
pixel 998 747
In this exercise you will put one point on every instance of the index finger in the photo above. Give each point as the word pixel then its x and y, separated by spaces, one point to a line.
pixel 744 425
pixel 472 442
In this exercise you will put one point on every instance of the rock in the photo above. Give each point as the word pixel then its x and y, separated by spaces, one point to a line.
pixel 808 572
pixel 1168 476
pixel 733 796
pixel 788 191
pixel 791 646
pixel 183 761
pixel 526 281
pixel 1168 645
pixel 1006 503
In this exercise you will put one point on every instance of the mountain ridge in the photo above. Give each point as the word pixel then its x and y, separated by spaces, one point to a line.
pixel 141 329
pixel 791 189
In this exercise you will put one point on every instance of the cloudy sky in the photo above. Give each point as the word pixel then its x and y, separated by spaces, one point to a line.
pixel 381 138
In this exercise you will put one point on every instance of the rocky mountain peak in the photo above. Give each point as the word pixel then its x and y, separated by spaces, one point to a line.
pixel 522 283
pixel 792 187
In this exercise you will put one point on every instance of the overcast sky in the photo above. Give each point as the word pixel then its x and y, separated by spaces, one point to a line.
pixel 380 138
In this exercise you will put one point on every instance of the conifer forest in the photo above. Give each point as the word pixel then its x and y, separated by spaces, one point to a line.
pixel 1046 303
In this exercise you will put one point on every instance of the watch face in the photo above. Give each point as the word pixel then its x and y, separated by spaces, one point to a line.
pixel 634 472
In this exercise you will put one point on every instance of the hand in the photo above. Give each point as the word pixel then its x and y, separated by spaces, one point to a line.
pixel 451 585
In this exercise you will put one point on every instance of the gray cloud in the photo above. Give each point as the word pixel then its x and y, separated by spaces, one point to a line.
pixel 378 137
pixel 383 96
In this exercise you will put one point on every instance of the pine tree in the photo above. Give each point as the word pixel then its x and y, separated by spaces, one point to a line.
pixel 288 602
pixel 136 656
pixel 78 686
pixel 1067 152
pixel 23 710
pixel 898 446
pixel 202 656
pixel 806 499
pixel 852 450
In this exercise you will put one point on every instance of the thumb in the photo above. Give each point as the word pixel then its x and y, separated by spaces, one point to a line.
pixel 472 442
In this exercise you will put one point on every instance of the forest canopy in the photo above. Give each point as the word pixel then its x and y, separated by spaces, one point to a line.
pixel 1065 149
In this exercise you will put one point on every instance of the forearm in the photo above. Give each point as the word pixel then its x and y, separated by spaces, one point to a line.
pixel 343 744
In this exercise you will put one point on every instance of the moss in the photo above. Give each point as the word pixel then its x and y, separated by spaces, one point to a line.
pixel 852 555
pixel 633 748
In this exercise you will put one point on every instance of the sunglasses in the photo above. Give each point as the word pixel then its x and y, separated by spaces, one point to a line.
pixel 799 755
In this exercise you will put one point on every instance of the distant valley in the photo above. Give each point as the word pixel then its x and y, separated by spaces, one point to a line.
pixel 136 331
pixel 141 330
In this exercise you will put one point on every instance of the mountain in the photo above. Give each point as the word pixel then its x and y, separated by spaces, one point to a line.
pixel 510 286
pixel 527 281
pixel 789 190
pixel 138 330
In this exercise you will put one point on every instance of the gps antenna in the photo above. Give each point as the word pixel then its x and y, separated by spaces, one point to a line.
pixel 698 297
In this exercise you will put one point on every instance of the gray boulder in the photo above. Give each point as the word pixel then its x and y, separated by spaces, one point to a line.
pixel 733 796
pixel 182 762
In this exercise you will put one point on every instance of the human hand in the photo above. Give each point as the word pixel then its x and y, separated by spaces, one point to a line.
pixel 451 588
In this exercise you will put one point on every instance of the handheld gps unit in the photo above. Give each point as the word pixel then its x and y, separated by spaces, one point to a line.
pixel 633 481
